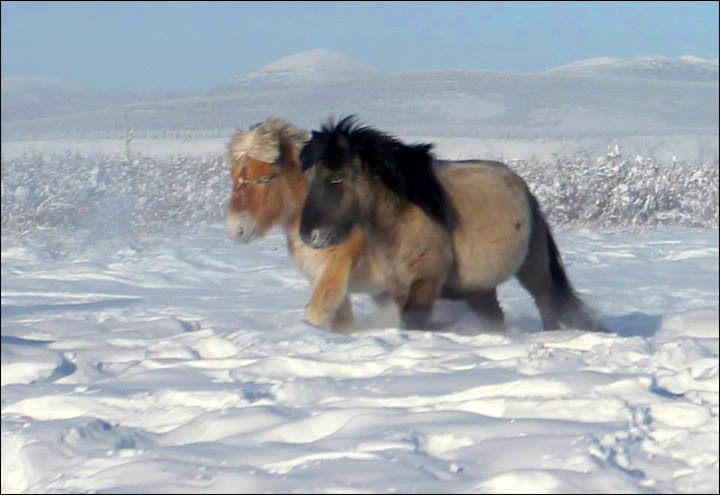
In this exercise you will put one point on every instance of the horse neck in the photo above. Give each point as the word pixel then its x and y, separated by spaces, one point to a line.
pixel 383 217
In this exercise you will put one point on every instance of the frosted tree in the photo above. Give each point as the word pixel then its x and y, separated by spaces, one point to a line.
pixel 128 140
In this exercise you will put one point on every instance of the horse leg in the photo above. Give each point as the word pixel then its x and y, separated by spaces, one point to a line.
pixel 343 320
pixel 329 290
pixel 543 300
pixel 485 304
pixel 324 303
pixel 417 308
pixel 381 299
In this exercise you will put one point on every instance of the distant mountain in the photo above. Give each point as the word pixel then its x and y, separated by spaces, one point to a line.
pixel 33 97
pixel 314 66
pixel 685 68
pixel 592 98
pixel 27 97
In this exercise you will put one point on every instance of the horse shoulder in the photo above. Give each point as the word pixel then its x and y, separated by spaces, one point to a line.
pixel 421 247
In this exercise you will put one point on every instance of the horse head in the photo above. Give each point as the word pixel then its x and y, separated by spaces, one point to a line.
pixel 267 180
pixel 355 170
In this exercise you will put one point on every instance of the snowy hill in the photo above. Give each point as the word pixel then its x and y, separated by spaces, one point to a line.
pixel 685 68
pixel 589 99
pixel 459 103
pixel 313 66
pixel 25 97
pixel 33 97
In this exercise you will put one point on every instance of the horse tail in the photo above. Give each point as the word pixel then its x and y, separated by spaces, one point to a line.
pixel 566 304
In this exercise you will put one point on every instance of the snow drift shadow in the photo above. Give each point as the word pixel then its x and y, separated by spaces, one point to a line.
pixel 635 324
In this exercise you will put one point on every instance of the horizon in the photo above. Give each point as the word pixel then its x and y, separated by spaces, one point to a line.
pixel 149 46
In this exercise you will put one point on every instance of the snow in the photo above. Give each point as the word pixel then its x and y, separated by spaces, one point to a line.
pixel 27 97
pixel 143 351
pixel 686 67
pixel 698 60
pixel 108 195
pixel 164 148
pixel 319 65
pixel 589 62
pixel 180 363
pixel 688 60
pixel 318 59
pixel 664 148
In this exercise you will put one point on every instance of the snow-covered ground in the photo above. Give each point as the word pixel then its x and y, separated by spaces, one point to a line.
pixel 143 351
pixel 180 363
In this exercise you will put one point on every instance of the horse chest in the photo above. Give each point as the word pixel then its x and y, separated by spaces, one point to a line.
pixel 367 275
pixel 311 262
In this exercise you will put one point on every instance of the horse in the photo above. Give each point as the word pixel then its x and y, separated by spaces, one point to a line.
pixel 269 189
pixel 436 228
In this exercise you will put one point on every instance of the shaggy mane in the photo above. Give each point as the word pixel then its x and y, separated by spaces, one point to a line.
pixel 264 141
pixel 406 170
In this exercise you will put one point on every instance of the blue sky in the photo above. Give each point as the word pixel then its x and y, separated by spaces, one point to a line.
pixel 189 46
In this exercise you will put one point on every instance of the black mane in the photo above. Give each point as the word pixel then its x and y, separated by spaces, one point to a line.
pixel 407 170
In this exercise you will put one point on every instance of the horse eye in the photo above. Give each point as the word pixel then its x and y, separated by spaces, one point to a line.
pixel 266 179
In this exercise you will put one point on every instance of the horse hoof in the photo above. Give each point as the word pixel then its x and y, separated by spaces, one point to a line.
pixel 315 317
pixel 343 326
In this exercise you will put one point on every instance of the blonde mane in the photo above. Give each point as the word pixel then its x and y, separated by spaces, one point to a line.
pixel 263 141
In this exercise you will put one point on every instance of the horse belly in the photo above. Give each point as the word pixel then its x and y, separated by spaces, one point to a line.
pixel 492 239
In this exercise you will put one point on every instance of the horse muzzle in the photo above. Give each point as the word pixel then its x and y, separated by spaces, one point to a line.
pixel 241 228
pixel 317 238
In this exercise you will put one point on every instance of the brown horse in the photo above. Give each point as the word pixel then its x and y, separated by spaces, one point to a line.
pixel 457 229
pixel 269 189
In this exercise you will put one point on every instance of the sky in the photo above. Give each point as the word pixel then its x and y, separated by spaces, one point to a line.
pixel 190 46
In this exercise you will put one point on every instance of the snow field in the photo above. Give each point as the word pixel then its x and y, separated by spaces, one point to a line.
pixel 181 364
